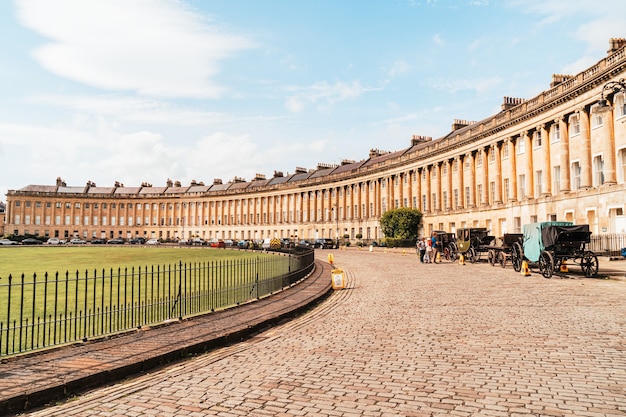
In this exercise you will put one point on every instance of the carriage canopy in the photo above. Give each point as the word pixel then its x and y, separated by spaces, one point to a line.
pixel 539 236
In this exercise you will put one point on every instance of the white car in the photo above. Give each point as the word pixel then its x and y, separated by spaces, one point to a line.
pixel 53 241
pixel 152 242
pixel 7 242
pixel 76 241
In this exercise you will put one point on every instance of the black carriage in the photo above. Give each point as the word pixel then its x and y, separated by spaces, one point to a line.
pixel 473 242
pixel 500 252
pixel 445 245
pixel 549 245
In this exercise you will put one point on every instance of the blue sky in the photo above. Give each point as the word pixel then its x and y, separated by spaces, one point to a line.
pixel 148 90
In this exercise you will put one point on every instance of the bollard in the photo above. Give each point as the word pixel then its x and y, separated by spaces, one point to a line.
pixel 338 278
pixel 461 259
pixel 331 260
pixel 525 271
pixel 563 267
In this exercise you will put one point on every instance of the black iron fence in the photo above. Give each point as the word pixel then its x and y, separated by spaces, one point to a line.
pixel 50 310
pixel 608 244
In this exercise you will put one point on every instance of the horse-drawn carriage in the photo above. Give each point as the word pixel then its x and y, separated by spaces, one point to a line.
pixel 472 242
pixel 549 245
pixel 446 246
pixel 500 252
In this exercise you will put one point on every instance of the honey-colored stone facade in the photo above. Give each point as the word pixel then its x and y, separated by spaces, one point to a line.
pixel 552 157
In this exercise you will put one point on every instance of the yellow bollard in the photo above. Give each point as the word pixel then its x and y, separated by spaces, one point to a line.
pixel 525 271
pixel 438 256
pixel 338 279
pixel 563 267
pixel 461 259
pixel 403 252
pixel 331 260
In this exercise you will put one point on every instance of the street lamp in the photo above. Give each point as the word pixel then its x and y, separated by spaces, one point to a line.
pixel 612 87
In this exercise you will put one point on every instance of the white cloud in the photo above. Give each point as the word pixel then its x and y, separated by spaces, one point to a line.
pixel 399 67
pixel 323 95
pixel 438 40
pixel 452 86
pixel 155 48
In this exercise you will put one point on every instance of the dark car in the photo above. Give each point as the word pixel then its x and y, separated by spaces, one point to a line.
pixel 31 241
pixel 116 241
pixel 324 243
pixel 137 241
pixel 97 241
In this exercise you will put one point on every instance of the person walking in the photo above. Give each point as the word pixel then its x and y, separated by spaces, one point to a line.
pixel 429 250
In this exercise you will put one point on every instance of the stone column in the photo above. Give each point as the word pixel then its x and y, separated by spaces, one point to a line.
pixel 513 168
pixel 472 179
pixel 486 190
pixel 585 160
pixel 427 190
pixel 608 148
pixel 545 144
pixel 565 180
pixel 418 188
pixel 450 185
pixel 498 172
pixel 460 180
pixel 530 172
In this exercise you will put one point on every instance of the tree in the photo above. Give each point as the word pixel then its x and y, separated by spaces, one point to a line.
pixel 401 223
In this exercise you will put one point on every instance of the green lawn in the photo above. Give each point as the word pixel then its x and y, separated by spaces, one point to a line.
pixel 92 291
pixel 51 259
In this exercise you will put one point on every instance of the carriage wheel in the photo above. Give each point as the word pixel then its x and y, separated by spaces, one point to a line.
pixel 446 253
pixel 472 256
pixel 546 264
pixel 517 255
pixel 589 264
pixel 452 252
pixel 491 257
pixel 502 259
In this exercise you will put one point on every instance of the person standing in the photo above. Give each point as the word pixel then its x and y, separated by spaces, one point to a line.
pixel 429 250
pixel 421 247
pixel 433 243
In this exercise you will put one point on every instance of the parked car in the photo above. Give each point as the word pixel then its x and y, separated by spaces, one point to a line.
pixel 303 243
pixel 216 243
pixel 326 243
pixel 116 241
pixel 77 241
pixel 184 242
pixel 243 244
pixel 197 241
pixel 229 243
pixel 286 243
pixel 97 241
pixel 53 241
pixel 137 241
pixel 153 242
pixel 31 241
pixel 8 242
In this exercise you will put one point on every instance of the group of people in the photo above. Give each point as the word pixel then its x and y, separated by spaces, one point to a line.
pixel 427 248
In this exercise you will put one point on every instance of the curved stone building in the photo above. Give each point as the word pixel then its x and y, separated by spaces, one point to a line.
pixel 556 156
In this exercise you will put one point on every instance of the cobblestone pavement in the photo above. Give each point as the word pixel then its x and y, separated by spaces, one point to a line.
pixel 407 339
